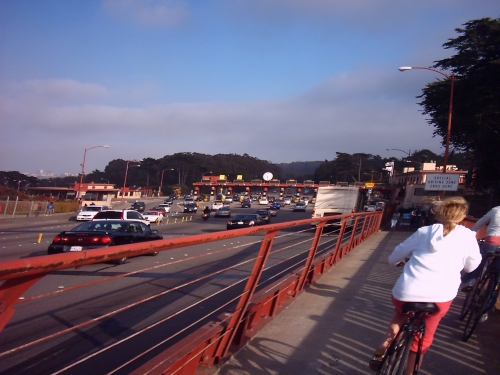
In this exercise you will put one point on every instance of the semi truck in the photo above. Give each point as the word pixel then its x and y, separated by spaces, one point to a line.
pixel 337 200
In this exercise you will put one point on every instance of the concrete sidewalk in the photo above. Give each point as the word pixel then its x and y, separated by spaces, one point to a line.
pixel 334 327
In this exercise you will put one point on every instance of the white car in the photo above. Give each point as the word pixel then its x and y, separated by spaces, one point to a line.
pixel 216 205
pixel 263 201
pixel 228 200
pixel 153 217
pixel 287 200
pixel 88 212
pixel 165 206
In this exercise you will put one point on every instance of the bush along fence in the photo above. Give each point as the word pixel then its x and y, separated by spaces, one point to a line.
pixel 16 207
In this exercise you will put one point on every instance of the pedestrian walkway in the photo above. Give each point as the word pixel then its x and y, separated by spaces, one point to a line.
pixel 334 326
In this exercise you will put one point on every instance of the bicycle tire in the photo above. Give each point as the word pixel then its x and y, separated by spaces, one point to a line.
pixel 395 360
pixel 478 305
pixel 466 305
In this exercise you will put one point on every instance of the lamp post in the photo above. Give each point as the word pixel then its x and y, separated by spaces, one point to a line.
pixel 19 185
pixel 161 180
pixel 450 109
pixel 126 173
pixel 397 149
pixel 83 169
pixel 380 173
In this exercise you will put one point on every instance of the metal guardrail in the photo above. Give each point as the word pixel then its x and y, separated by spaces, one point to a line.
pixel 239 318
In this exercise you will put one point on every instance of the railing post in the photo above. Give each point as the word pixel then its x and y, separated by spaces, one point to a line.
pixel 10 291
pixel 247 294
pixel 312 254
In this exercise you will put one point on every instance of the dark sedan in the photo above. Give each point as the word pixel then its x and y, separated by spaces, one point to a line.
pixel 245 221
pixel 98 234
pixel 191 207
pixel 265 214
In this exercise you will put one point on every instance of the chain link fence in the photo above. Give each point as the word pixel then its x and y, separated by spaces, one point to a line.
pixel 15 207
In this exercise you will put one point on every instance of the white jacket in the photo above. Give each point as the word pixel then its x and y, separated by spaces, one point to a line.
pixel 433 272
pixel 492 219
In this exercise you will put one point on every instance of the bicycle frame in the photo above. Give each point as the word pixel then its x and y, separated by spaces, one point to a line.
pixel 396 359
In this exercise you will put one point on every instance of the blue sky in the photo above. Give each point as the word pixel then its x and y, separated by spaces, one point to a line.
pixel 280 80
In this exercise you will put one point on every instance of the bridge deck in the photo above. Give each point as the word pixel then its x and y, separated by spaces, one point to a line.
pixel 334 327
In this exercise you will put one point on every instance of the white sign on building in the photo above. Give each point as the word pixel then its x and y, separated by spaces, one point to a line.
pixel 442 182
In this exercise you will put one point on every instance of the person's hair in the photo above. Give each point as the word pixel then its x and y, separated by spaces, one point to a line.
pixel 450 212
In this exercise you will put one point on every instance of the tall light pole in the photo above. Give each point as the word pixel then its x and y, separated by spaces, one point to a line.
pixel 397 149
pixel 161 180
pixel 126 173
pixel 450 109
pixel 83 168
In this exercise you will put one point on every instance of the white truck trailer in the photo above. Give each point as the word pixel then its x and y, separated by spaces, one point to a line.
pixel 336 200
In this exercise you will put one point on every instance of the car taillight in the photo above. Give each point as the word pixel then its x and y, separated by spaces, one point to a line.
pixel 106 240
pixel 56 239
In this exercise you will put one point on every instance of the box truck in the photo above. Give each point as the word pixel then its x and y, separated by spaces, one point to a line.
pixel 336 200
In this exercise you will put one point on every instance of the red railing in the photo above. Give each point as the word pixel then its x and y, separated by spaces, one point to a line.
pixel 232 323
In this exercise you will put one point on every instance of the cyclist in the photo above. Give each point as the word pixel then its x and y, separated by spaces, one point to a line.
pixel 437 254
pixel 491 243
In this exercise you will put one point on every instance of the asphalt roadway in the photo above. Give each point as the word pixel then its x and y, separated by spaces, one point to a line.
pixel 334 326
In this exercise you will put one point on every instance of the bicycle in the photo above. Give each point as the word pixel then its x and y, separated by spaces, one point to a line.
pixel 481 299
pixel 396 357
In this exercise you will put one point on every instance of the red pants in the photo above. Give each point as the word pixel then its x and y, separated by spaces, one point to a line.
pixel 431 323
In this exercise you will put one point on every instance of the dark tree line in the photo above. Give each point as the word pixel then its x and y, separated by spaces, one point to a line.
pixel 476 105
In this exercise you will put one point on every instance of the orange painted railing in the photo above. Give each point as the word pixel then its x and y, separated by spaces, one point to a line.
pixel 238 319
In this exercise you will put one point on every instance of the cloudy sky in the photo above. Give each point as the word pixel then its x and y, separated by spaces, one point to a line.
pixel 280 80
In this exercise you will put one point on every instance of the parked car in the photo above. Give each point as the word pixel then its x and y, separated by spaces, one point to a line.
pixel 265 215
pixel 300 206
pixel 120 215
pixel 191 207
pixel 245 221
pixel 98 234
pixel 88 212
pixel 138 206
pixel 247 203
pixel 223 212
pixel 216 205
pixel 153 216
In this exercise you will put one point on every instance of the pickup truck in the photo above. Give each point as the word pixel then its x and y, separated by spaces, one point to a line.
pixel 120 215
pixel 88 212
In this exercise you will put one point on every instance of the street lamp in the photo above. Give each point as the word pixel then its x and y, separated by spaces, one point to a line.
pixel 161 180
pixel 83 168
pixel 19 185
pixel 450 109
pixel 397 149
pixel 126 173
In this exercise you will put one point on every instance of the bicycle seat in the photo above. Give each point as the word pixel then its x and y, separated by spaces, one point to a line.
pixel 427 307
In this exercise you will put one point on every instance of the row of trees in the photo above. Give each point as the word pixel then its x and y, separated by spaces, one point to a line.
pixel 476 104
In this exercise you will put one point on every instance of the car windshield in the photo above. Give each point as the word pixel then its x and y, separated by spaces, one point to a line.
pixel 92 208
pixel 98 226
pixel 108 215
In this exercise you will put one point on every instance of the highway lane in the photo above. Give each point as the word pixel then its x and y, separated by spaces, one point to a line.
pixel 34 320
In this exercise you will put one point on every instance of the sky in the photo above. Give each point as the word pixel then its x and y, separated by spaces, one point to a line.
pixel 279 80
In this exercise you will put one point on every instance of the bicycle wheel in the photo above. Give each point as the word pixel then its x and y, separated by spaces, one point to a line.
pixel 478 305
pixel 397 354
pixel 466 305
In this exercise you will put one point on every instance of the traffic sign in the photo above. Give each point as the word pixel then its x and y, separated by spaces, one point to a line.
pixel 369 184
pixel 442 182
